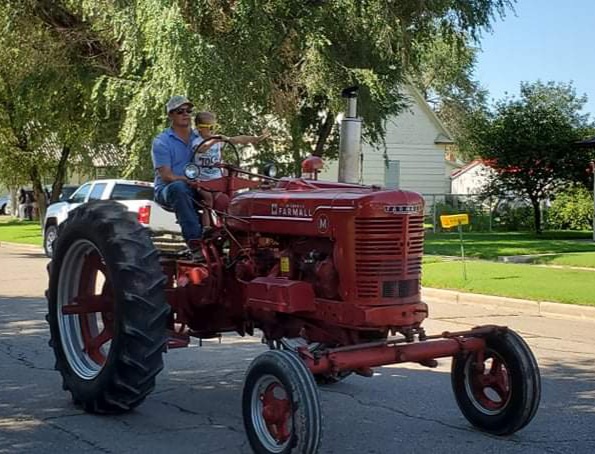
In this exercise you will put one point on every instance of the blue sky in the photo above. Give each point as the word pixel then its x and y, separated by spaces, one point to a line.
pixel 547 40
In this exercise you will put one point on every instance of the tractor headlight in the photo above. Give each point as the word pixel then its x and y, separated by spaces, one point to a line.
pixel 191 171
pixel 270 170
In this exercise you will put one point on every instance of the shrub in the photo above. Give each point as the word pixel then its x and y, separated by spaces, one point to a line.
pixel 572 209
pixel 513 217
pixel 475 207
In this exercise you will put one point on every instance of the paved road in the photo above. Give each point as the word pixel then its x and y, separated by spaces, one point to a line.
pixel 196 405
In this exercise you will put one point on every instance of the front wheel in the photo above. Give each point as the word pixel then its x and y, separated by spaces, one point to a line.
pixel 281 405
pixel 498 389
pixel 107 308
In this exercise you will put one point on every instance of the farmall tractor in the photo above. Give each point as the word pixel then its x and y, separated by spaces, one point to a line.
pixel 327 273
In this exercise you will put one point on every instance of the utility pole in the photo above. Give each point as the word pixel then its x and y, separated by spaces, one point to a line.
pixel 350 144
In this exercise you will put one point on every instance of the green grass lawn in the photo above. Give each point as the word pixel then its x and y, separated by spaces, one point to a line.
pixel 17 231
pixel 491 245
pixel 513 280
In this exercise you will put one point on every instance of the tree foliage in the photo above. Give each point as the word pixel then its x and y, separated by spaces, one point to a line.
pixel 46 119
pixel 530 141
pixel 445 77
pixel 112 64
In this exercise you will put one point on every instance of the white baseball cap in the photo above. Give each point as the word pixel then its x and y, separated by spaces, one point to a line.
pixel 175 102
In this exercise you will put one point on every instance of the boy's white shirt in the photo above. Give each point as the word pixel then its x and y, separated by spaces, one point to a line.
pixel 210 157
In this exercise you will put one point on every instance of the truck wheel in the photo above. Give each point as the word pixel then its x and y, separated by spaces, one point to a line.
pixel 281 406
pixel 51 233
pixel 499 392
pixel 107 308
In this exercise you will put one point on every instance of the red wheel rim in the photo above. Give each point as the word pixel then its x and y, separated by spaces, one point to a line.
pixel 272 415
pixel 487 381
pixel 85 309
pixel 276 411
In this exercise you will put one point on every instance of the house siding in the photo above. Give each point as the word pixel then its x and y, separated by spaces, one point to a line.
pixel 410 140
pixel 472 180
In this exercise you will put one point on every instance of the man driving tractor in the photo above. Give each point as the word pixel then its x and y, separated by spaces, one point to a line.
pixel 174 148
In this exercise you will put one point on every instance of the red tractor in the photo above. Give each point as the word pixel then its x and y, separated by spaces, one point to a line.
pixel 328 273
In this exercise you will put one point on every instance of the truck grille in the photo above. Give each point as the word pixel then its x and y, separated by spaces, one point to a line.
pixel 388 256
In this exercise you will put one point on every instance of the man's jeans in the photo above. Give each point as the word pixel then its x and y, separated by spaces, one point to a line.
pixel 179 196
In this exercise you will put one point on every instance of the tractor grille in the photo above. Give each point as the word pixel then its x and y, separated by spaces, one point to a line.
pixel 388 256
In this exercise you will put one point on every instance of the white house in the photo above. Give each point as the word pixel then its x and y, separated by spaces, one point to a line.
pixel 416 142
pixel 471 178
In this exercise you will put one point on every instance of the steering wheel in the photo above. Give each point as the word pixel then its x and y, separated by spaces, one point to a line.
pixel 229 152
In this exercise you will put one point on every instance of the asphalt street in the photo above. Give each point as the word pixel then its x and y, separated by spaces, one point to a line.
pixel 196 406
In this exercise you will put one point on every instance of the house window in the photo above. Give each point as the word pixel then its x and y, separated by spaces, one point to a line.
pixel 392 174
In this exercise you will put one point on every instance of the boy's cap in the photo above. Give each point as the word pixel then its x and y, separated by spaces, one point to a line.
pixel 175 102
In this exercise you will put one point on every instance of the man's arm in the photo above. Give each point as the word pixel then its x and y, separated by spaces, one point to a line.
pixel 167 175
pixel 162 162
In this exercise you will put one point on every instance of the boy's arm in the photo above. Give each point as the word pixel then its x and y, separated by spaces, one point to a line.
pixel 208 143
pixel 245 140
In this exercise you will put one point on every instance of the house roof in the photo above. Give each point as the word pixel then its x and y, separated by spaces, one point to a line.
pixel 467 167
pixel 443 136
pixel 454 165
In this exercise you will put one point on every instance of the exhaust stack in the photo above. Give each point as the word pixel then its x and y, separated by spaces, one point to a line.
pixel 350 144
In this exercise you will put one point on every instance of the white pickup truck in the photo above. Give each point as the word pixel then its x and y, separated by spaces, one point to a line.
pixel 137 196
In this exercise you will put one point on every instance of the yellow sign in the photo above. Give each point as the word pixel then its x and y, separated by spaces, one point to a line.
pixel 454 220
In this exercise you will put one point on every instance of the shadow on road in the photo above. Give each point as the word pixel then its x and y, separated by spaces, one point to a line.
pixel 197 402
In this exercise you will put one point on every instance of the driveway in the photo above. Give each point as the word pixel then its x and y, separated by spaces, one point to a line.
pixel 196 405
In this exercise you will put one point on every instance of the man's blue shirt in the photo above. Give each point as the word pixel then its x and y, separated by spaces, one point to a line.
pixel 171 151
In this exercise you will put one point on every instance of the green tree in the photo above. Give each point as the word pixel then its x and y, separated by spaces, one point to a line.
pixel 445 77
pixel 530 142
pixel 95 74
pixel 46 123
pixel 279 62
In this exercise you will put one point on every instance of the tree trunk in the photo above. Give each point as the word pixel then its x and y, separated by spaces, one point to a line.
pixel 39 193
pixel 60 176
pixel 323 133
pixel 536 216
pixel 296 146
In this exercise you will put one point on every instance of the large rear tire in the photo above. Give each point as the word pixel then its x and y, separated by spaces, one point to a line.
pixel 281 405
pixel 498 390
pixel 107 308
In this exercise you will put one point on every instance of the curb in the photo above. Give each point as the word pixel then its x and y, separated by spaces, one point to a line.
pixel 539 308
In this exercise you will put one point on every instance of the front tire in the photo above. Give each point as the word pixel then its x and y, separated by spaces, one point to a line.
pixel 281 405
pixel 107 308
pixel 498 390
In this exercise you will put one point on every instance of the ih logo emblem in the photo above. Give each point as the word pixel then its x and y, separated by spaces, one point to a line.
pixel 401 209
pixel 323 223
